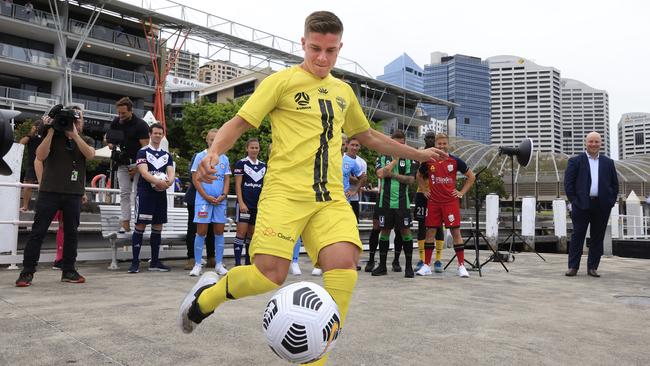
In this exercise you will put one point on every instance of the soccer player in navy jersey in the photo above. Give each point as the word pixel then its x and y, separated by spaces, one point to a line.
pixel 156 175
pixel 249 178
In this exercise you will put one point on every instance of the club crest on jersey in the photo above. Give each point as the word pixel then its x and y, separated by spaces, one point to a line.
pixel 402 163
pixel 302 99
pixel 451 218
pixel 157 162
pixel 450 167
pixel 222 166
pixel 346 166
pixel 432 168
pixel 342 103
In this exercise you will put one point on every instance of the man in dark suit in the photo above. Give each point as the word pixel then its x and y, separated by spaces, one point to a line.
pixel 591 185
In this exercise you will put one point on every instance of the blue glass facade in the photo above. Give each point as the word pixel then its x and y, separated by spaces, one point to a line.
pixel 403 72
pixel 466 81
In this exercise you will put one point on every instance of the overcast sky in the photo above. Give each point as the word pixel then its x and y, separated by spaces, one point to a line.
pixel 601 43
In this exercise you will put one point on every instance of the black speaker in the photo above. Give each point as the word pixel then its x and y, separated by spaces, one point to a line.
pixel 524 152
pixel 6 138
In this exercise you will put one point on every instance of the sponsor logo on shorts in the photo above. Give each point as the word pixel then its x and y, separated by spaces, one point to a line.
pixel 406 222
pixel 145 217
pixel 203 212
pixel 244 216
pixel 270 232
pixel 451 218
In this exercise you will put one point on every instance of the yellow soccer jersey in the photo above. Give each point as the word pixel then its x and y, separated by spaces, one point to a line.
pixel 307 115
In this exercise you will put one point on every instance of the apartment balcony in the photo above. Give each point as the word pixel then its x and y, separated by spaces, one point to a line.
pixel 103 41
pixel 103 108
pixel 45 66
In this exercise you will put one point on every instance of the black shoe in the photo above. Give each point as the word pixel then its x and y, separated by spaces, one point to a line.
pixel 397 267
pixel 380 270
pixel 58 265
pixel 358 268
pixel 408 272
pixel 72 277
pixel 24 279
pixel 369 266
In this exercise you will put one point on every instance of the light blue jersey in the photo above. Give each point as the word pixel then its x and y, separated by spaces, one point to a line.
pixel 215 188
pixel 350 167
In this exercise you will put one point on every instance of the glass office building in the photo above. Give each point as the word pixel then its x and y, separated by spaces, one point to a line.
pixel 403 72
pixel 464 80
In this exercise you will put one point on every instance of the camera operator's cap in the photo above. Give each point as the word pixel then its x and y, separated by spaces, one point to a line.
pixel 6 138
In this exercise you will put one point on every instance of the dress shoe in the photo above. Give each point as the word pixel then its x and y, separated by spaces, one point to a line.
pixel 370 266
pixel 396 267
pixel 592 272
pixel 380 270
pixel 571 272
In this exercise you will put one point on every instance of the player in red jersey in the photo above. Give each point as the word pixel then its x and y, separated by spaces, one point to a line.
pixel 443 202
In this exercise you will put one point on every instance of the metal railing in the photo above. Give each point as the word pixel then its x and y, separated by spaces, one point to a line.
pixel 34 16
pixel 109 35
pixel 30 56
pixel 633 227
pixel 29 96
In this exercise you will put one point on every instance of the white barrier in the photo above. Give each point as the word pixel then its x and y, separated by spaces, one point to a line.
pixel 492 216
pixel 10 198
pixel 559 218
pixel 528 213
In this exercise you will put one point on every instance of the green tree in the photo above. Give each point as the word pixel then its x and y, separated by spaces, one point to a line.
pixel 487 183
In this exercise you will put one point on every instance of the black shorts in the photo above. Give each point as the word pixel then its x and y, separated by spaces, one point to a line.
pixel 30 175
pixel 420 210
pixel 394 218
pixel 151 208
pixel 249 218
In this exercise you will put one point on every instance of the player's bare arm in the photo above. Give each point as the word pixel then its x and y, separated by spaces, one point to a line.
pixel 469 182
pixel 385 145
pixel 225 139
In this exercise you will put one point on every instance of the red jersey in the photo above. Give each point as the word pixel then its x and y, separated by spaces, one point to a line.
pixel 442 177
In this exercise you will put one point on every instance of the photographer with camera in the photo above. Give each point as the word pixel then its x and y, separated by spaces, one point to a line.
pixel 127 134
pixel 64 153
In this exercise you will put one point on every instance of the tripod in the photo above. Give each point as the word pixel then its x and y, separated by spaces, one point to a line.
pixel 513 233
pixel 477 235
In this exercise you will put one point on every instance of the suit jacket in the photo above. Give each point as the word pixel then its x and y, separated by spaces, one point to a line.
pixel 577 182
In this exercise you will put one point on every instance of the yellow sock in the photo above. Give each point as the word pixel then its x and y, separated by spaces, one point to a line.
pixel 339 283
pixel 240 282
pixel 421 249
pixel 440 244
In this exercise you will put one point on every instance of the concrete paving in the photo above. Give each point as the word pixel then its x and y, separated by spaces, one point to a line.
pixel 533 315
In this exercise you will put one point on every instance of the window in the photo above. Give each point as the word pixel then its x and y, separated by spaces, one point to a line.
pixel 638 138
pixel 566 133
pixel 466 120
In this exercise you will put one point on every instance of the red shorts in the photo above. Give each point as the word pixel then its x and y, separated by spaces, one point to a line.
pixel 439 214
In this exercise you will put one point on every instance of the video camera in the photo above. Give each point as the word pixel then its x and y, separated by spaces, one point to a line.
pixel 118 152
pixel 63 118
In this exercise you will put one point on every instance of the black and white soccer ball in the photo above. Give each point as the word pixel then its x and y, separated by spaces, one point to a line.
pixel 301 322
pixel 159 176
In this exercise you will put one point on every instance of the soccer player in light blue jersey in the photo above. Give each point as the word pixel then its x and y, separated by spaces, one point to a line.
pixel 210 208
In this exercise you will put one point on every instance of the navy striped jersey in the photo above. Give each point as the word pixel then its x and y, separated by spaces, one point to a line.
pixel 252 179
pixel 157 162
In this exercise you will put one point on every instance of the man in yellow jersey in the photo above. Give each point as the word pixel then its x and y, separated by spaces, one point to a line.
pixel 303 187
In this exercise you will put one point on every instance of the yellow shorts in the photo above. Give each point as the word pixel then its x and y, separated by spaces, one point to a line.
pixel 281 221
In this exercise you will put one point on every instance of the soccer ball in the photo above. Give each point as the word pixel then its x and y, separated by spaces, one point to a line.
pixel 301 322
pixel 160 176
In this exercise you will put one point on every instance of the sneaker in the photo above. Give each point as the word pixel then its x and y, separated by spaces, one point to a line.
pixel 425 270
pixel 24 279
pixel 220 269
pixel 72 277
pixel 437 267
pixel 211 263
pixel 189 314
pixel 396 267
pixel 58 265
pixel 159 266
pixel 196 270
pixel 295 269
pixel 370 266
pixel 462 272
pixel 380 270
pixel 135 267
pixel 418 266
pixel 189 265
pixel 408 272
pixel 317 272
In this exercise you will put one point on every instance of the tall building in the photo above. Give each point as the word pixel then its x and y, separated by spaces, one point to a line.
pixel 186 65
pixel 403 72
pixel 113 62
pixel 216 72
pixel 584 109
pixel 464 80
pixel 633 135
pixel 526 102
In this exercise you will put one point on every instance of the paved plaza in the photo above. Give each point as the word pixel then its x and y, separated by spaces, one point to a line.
pixel 533 315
